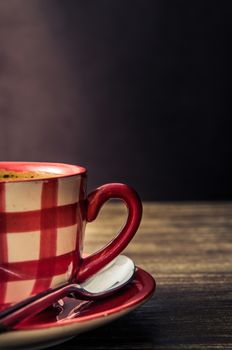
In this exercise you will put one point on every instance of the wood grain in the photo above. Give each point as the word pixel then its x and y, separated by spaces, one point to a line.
pixel 187 247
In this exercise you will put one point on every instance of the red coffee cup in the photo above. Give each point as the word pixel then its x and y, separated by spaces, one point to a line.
pixel 42 224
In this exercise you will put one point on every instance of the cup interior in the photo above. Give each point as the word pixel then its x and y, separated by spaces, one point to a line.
pixel 29 171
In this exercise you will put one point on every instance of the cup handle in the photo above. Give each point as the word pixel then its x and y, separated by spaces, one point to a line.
pixel 95 200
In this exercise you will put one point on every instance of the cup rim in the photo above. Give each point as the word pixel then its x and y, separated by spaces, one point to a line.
pixel 60 170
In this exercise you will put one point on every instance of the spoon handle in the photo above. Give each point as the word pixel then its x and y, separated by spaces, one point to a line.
pixel 33 305
pixel 29 307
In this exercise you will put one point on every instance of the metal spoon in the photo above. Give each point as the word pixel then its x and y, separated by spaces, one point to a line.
pixel 104 283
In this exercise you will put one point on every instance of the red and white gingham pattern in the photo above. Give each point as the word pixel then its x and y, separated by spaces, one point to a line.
pixel 39 225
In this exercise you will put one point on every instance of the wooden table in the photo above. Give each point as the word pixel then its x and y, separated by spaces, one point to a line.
pixel 187 247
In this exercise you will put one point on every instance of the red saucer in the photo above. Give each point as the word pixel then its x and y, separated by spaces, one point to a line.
pixel 46 327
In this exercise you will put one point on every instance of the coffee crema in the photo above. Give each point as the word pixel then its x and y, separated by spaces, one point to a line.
pixel 8 175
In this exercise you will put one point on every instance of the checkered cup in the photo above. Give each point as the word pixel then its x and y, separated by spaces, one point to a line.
pixel 42 224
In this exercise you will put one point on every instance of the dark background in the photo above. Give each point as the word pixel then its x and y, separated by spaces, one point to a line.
pixel 136 91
